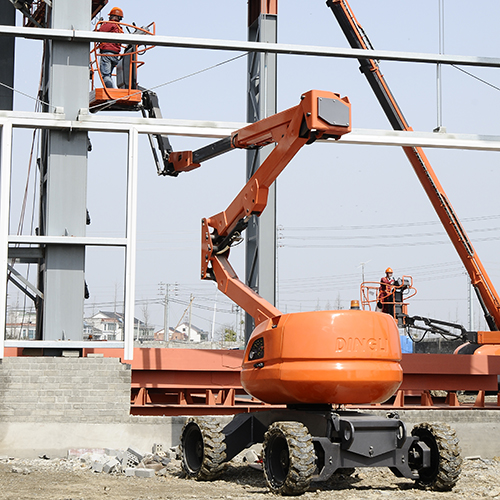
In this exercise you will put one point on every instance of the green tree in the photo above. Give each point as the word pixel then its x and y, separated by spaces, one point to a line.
pixel 229 334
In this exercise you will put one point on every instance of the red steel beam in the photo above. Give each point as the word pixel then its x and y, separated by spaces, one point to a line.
pixel 190 381
pixel 258 7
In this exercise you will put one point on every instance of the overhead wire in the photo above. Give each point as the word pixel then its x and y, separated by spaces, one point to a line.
pixel 385 226
pixel 385 236
pixel 378 245
pixel 26 95
pixel 175 80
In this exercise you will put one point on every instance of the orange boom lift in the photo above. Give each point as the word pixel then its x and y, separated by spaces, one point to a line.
pixel 312 362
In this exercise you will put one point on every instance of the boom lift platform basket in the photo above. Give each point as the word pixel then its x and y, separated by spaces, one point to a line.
pixel 128 96
pixel 395 300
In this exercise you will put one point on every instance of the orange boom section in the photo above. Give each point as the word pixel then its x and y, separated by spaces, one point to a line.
pixel 320 357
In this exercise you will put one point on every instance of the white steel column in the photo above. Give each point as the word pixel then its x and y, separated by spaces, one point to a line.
pixel 130 249
pixel 5 167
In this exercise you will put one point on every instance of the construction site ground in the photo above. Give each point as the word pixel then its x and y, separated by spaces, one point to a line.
pixel 62 479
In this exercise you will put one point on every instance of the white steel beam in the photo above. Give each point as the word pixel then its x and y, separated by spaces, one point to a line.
pixel 218 130
pixel 421 139
pixel 5 167
pixel 243 46
pixel 24 281
pixel 130 253
pixel 31 119
pixel 67 240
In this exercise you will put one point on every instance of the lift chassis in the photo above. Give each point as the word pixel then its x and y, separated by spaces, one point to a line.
pixel 310 444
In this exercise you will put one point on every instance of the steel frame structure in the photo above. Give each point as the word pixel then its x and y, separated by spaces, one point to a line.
pixel 135 126
pixel 10 120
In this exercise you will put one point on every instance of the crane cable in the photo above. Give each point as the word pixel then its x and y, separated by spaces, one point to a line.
pixel 439 85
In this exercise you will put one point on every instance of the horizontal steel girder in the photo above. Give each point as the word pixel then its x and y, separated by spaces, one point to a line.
pixel 219 130
pixel 241 46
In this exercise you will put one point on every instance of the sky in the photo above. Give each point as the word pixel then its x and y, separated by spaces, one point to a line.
pixel 342 209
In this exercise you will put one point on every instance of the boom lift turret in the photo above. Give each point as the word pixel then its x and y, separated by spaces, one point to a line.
pixel 312 362
pixel 485 291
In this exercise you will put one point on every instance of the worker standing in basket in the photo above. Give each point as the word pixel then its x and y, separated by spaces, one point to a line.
pixel 110 52
pixel 386 292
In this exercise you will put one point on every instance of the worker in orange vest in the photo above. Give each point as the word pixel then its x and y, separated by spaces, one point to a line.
pixel 110 52
pixel 386 292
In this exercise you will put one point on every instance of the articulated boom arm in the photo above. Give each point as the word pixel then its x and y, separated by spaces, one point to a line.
pixel 485 290
pixel 319 115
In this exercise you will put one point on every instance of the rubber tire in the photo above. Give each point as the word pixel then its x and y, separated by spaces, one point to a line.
pixel 446 462
pixel 289 458
pixel 203 448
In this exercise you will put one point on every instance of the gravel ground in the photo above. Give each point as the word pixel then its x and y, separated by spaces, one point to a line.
pixel 73 479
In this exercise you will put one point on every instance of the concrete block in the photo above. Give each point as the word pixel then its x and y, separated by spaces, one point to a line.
pixel 154 466
pixel 144 473
pixel 162 459
pixel 250 456
pixel 133 457
pixel 71 354
pixel 111 465
pixel 121 456
pixel 97 466
pixel 162 472
pixel 130 471
pixel 157 449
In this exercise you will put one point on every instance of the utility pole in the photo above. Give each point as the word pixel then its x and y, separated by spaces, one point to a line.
pixel 362 266
pixel 166 291
pixel 213 319
pixel 165 314
pixel 470 290
pixel 190 312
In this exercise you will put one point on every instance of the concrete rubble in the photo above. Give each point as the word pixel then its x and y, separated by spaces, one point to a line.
pixel 129 462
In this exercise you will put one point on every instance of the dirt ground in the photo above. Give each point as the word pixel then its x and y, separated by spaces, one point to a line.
pixel 61 479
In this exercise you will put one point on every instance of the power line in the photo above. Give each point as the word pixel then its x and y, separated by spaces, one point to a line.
pixel 26 95
pixel 384 236
pixel 394 244
pixel 109 103
pixel 385 226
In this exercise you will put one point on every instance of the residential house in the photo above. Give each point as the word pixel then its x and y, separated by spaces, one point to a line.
pixel 21 324
pixel 107 325
pixel 183 333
